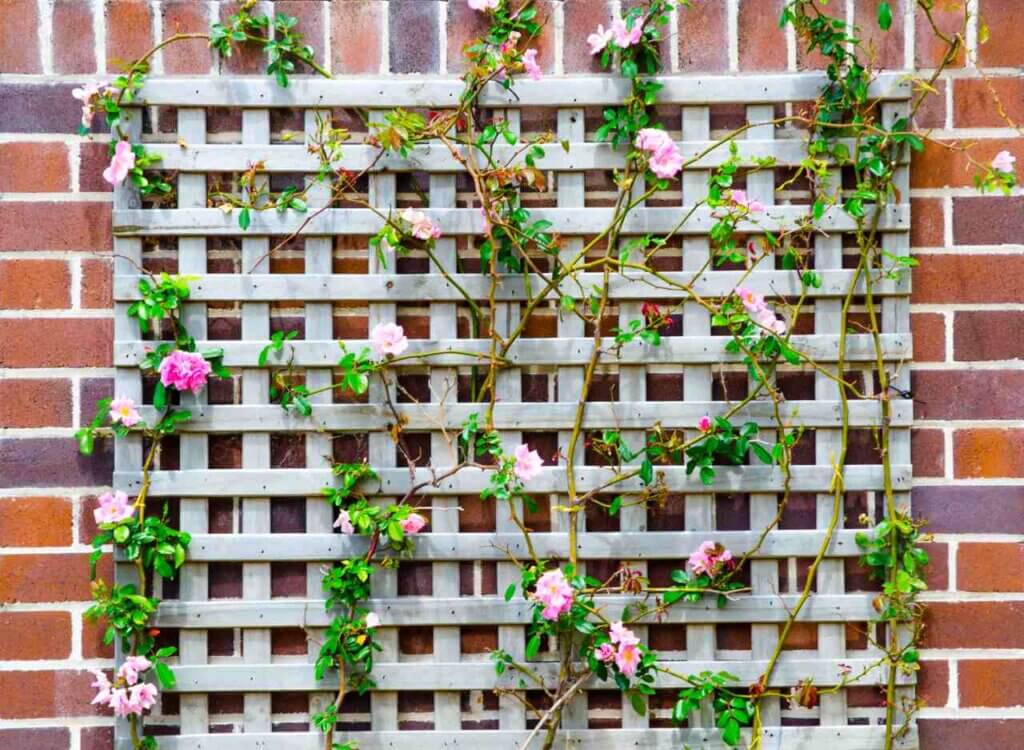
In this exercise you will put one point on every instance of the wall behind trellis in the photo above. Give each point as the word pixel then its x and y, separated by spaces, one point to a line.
pixel 964 320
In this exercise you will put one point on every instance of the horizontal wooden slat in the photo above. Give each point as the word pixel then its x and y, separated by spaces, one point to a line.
pixel 435 287
pixel 190 222
pixel 425 610
pixel 773 738
pixel 568 91
pixel 453 352
pixel 603 545
pixel 226 677
pixel 471 481
pixel 434 157
pixel 530 416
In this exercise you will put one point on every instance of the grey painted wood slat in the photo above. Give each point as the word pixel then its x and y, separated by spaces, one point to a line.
pixel 552 416
pixel 435 157
pixel 193 447
pixel 327 287
pixel 465 352
pixel 463 610
pixel 556 91
pixel 289 482
pixel 164 222
pixel 650 545
pixel 391 676
pixel 773 738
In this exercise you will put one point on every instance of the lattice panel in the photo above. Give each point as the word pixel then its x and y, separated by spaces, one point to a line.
pixel 246 476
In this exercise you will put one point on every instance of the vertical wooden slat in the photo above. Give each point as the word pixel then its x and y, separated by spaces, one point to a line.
pixel 194 446
pixel 256 445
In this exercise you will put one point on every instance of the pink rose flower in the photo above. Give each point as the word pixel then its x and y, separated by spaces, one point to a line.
pixel 413 524
pixel 372 620
pixel 142 697
pixel 555 593
pixel 121 703
pixel 120 163
pixel 739 197
pixel 528 463
pixel 622 636
pixel 710 558
pixel 751 300
pixel 133 666
pixel 625 37
pixel 388 338
pixel 484 5
pixel 86 94
pixel 1004 162
pixel 184 371
pixel 605 652
pixel 422 227
pixel 103 686
pixel 344 523
pixel 530 64
pixel 627 660
pixel 704 423
pixel 114 508
pixel 652 139
pixel 123 410
pixel 666 160
pixel 599 39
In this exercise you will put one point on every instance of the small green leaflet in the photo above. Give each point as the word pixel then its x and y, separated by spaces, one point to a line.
pixel 884 16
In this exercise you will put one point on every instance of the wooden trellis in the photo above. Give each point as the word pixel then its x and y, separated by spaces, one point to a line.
pixel 688 107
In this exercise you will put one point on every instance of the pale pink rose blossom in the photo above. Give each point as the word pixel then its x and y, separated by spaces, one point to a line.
pixel 622 636
pixel 120 163
pixel 114 508
pixel 530 64
pixel 666 160
pixel 599 39
pixel 710 558
pixel 704 423
pixel 184 371
pixel 528 463
pixel 142 697
pixel 751 300
pixel 103 687
pixel 1004 162
pixel 133 667
pixel 484 4
pixel 422 227
pixel 555 593
pixel 86 94
pixel 739 197
pixel 652 139
pixel 605 652
pixel 344 523
pixel 413 524
pixel 372 620
pixel 123 410
pixel 627 660
pixel 388 338
pixel 625 37
pixel 121 703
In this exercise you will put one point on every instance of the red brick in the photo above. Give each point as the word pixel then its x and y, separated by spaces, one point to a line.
pixel 97 284
pixel 19 37
pixel 34 168
pixel 993 683
pixel 970 734
pixel 310 25
pixel 55 226
pixel 948 163
pixel 74 48
pixel 93 158
pixel 582 18
pixel 937 572
pixel 949 19
pixel 884 48
pixel 50 462
pixel 929 331
pixel 66 578
pixel 762 44
pixel 974 102
pixel 36 738
pixel 979 336
pixel 967 394
pixel 414 44
pixel 93 646
pixel 969 278
pixel 97 738
pixel 988 453
pixel 973 625
pixel 129 31
pixel 361 20
pixel 993 566
pixel 464 26
pixel 246 59
pixel 35 403
pixel 46 693
pixel 932 112
pixel 927 451
pixel 703 44
pixel 190 55
pixel 28 636
pixel 35 522
pixel 988 221
pixel 34 285
pixel 1003 48
pixel 56 342
pixel 927 226
pixel 933 683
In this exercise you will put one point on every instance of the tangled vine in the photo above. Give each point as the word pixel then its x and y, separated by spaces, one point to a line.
pixel 566 605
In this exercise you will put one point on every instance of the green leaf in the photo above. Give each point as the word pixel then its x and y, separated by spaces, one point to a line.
pixel 636 700
pixel 533 646
pixel 244 218
pixel 884 16
pixel 165 675
pixel 510 592
pixel 647 471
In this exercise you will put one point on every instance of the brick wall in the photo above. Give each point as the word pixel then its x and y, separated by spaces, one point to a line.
pixel 56 327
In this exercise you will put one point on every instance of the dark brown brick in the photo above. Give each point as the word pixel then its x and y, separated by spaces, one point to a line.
pixel 38 108
pixel 927 226
pixel 97 284
pixel 36 738
pixel 988 336
pixel 971 509
pixel 929 331
pixel 933 683
pixel 988 221
pixel 102 738
pixel 928 452
pixel 310 17
pixel 969 278
pixel 29 636
pixel 49 462
pixel 414 36
pixel 969 734
pixel 973 625
pixel 967 394
pixel 192 55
